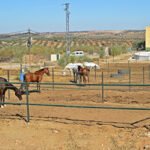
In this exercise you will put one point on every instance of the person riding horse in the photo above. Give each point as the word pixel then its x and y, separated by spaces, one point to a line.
pixel 35 77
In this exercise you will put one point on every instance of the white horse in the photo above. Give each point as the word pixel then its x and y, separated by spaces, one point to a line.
pixel 73 69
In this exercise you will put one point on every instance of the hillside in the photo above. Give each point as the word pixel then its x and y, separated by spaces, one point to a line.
pixel 14 45
pixel 57 40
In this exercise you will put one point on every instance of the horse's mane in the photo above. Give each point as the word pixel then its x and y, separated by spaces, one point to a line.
pixel 79 67
pixel 3 79
pixel 7 85
pixel 41 69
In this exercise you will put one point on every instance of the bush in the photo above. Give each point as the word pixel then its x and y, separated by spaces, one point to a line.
pixel 72 59
pixel 101 52
pixel 118 49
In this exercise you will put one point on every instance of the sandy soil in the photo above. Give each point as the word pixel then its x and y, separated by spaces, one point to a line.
pixel 55 128
pixel 64 128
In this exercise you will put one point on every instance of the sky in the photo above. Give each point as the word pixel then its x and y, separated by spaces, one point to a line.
pixel 49 15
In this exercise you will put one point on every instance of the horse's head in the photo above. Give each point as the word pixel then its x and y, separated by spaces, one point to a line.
pixel 79 67
pixel 18 93
pixel 46 70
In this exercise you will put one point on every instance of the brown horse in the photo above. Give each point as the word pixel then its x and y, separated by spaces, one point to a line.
pixel 36 76
pixel 83 73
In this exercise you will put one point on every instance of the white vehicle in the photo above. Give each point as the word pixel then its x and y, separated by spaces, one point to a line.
pixel 77 53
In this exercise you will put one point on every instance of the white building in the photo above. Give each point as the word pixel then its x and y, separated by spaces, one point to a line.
pixel 55 57
pixel 141 56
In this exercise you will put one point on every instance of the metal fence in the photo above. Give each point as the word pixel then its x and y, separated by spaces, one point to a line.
pixel 101 87
pixel 113 73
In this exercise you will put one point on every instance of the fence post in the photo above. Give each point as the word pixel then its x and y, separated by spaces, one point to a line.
pixel 149 72
pixel 102 87
pixel 8 77
pixel 95 71
pixel 128 64
pixel 129 79
pixel 143 75
pixel 27 103
pixel 108 68
pixel 53 78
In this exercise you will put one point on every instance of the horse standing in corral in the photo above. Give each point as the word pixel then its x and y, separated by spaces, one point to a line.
pixel 81 74
pixel 4 86
pixel 84 73
pixel 37 76
pixel 76 74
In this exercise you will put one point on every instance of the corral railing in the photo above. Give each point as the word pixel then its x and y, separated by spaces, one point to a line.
pixel 113 73
pixel 101 88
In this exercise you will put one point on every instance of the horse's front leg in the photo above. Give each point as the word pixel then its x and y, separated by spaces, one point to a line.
pixel 78 80
pixel 75 77
pixel 84 79
pixel 81 78
pixel 88 78
pixel 1 102
pixel 4 100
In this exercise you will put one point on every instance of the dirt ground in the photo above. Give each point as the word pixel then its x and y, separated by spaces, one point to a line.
pixel 63 128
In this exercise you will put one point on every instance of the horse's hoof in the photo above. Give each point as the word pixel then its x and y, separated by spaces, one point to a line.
pixel 5 105
pixel 2 106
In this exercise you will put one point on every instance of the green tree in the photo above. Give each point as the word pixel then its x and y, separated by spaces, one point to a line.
pixel 101 52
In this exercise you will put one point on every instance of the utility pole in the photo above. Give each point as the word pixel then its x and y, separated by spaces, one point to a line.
pixel 29 44
pixel 67 29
